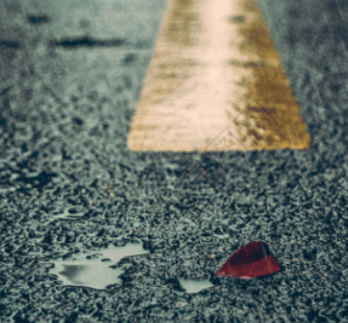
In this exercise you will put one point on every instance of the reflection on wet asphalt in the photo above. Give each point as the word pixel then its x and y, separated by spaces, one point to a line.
pixel 194 286
pixel 99 269
pixel 93 269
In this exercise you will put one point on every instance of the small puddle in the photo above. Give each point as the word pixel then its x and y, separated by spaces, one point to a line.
pixel 93 269
pixel 69 214
pixel 194 286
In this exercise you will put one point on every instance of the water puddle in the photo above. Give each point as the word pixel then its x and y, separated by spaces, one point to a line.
pixel 93 269
pixel 194 286
pixel 69 214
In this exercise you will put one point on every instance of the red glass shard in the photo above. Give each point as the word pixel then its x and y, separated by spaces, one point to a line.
pixel 252 260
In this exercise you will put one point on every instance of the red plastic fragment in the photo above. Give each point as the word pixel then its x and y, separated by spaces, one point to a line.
pixel 252 260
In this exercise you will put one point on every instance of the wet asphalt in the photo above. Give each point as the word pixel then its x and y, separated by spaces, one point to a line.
pixel 93 232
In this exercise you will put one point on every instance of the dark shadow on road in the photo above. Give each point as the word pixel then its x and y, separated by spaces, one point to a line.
pixel 37 19
pixel 86 42
pixel 9 44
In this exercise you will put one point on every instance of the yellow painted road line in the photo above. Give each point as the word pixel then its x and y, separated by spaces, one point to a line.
pixel 216 82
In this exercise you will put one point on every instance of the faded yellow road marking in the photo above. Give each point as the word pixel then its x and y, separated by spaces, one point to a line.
pixel 216 82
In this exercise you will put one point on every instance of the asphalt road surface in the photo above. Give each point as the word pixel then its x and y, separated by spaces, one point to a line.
pixel 93 232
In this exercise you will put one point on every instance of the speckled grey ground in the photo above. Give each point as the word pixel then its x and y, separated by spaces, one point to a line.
pixel 65 116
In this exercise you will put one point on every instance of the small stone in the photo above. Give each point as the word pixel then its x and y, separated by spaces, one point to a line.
pixel 294 259
pixel 180 304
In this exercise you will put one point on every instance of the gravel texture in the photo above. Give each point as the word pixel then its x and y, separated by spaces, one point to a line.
pixel 64 121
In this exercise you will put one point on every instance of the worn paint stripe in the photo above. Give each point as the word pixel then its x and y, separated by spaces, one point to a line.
pixel 216 82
